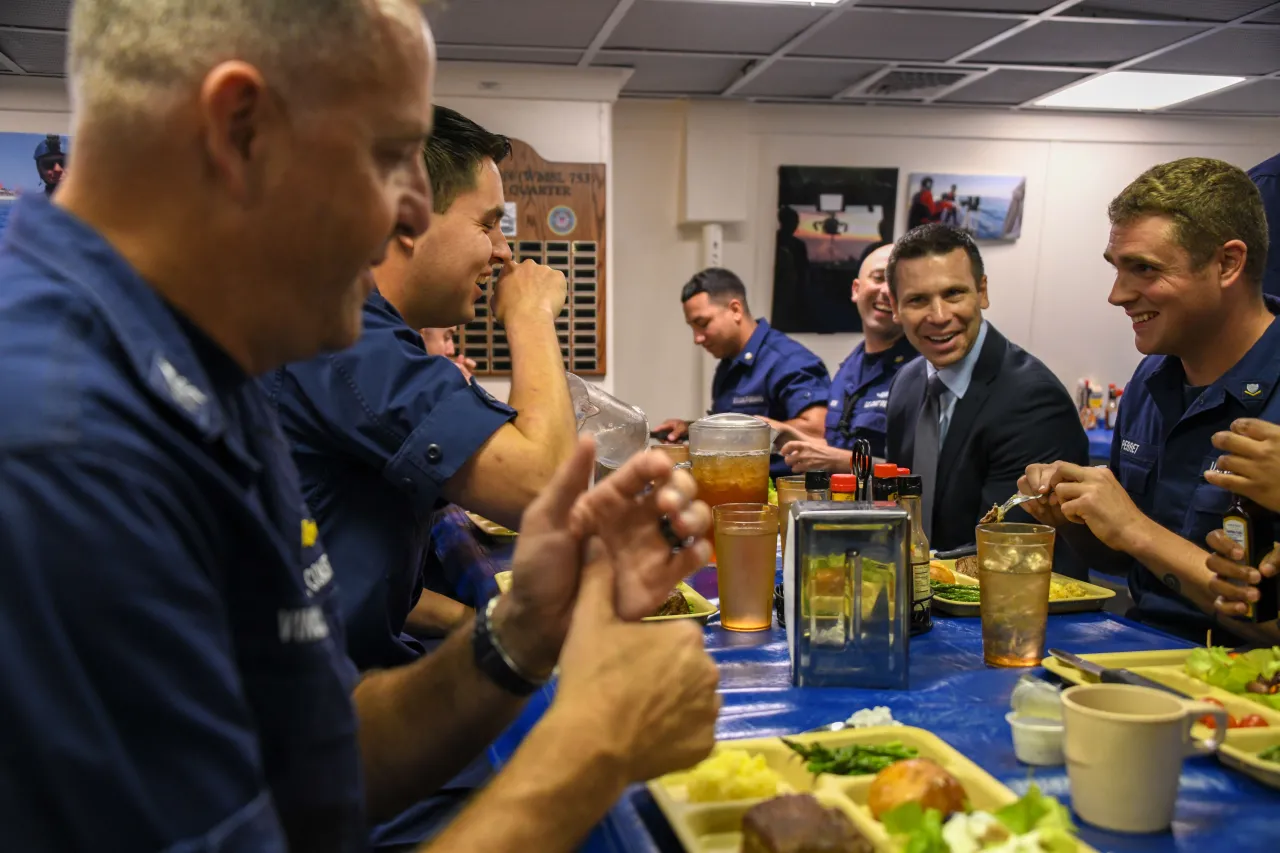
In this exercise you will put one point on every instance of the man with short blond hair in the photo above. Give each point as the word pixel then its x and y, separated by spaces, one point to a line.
pixel 1189 245
pixel 172 659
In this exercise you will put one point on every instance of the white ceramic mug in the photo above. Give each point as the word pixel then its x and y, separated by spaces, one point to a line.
pixel 1124 747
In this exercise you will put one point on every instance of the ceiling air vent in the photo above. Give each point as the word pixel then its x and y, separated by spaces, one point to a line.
pixel 909 84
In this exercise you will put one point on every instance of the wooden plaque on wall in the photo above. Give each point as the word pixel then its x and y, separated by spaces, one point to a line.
pixel 556 216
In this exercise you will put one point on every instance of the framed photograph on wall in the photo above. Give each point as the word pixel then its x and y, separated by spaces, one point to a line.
pixel 989 207
pixel 29 163
pixel 829 218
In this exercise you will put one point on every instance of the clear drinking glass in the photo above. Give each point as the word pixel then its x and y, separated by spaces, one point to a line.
pixel 746 549
pixel 621 430
pixel 1015 562
pixel 790 490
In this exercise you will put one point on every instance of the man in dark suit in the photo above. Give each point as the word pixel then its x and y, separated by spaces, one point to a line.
pixel 977 409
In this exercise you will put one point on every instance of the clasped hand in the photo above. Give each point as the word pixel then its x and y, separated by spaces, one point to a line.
pixel 1083 495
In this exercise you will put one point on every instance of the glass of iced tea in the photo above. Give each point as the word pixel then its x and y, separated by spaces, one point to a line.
pixel 746 549
pixel 1015 563
pixel 790 490
pixel 678 452
pixel 730 456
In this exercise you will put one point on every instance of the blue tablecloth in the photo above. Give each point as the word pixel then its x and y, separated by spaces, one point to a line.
pixel 954 695
pixel 1099 444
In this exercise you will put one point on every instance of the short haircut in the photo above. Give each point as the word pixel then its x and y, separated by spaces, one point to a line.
pixel 719 284
pixel 866 253
pixel 122 57
pixel 454 153
pixel 1209 202
pixel 933 238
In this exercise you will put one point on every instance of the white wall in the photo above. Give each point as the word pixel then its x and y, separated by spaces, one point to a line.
pixel 1048 290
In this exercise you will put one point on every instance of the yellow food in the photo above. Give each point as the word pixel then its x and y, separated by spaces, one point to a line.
pixel 939 572
pixel 731 774
pixel 1064 589
pixel 916 780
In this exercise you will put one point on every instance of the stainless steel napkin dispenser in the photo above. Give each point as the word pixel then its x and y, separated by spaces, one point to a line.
pixel 847 588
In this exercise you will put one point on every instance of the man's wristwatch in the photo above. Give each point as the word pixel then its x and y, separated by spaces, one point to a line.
pixel 493 660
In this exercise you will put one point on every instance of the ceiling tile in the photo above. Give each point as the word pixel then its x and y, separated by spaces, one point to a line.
pixel 1010 87
pixel 798 78
pixel 865 34
pixel 677 75
pixel 1085 44
pixel 546 23
pixel 471 53
pixel 1234 51
pixel 1031 6
pixel 1272 17
pixel 710 27
pixel 52 14
pixel 1190 10
pixel 1261 97
pixel 36 53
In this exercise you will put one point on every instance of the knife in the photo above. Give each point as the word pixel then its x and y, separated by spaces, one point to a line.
pixel 1113 676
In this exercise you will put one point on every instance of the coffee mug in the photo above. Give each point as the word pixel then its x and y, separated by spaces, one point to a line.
pixel 1124 747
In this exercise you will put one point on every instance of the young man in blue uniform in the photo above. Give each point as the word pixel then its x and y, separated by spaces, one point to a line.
pixel 762 372
pixel 1189 244
pixel 384 434
pixel 172 657
pixel 860 389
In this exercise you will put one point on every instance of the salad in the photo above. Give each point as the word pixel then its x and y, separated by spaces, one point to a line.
pixel 1034 824
pixel 1252 675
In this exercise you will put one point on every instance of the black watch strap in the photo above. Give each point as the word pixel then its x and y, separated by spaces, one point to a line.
pixel 492 660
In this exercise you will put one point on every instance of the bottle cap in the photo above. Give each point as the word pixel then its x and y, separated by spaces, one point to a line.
pixel 817 481
pixel 910 485
pixel 902 472
pixel 844 483
pixel 885 471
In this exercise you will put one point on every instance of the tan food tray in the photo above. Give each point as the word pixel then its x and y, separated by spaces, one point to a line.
pixel 1095 600
pixel 492 528
pixel 1168 667
pixel 699 607
pixel 717 827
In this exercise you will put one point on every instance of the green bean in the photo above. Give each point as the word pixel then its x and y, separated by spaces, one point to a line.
pixel 852 760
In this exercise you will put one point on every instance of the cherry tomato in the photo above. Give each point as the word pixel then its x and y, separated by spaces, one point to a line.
pixel 1253 721
pixel 1209 700
pixel 1208 720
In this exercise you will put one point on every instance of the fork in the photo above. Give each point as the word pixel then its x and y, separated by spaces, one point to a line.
pixel 1017 500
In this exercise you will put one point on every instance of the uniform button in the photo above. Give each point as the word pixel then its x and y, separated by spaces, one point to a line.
pixel 747 356
pixel 434 454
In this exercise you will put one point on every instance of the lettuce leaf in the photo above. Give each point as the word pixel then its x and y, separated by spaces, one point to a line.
pixel 1035 812
pixel 1215 667
pixel 923 829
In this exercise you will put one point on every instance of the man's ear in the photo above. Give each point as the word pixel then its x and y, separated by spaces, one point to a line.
pixel 235 113
pixel 983 300
pixel 1231 261
pixel 853 294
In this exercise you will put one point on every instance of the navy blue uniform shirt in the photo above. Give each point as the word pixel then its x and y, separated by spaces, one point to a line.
pixel 171 661
pixel 1266 176
pixel 860 395
pixel 377 430
pixel 1160 452
pixel 773 377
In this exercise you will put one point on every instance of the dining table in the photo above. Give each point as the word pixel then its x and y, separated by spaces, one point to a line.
pixel 951 693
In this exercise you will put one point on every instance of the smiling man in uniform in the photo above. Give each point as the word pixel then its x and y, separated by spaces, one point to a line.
pixel 384 434
pixel 172 658
pixel 977 409
pixel 860 390
pixel 1189 246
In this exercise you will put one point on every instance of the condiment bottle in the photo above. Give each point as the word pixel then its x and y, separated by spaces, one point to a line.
pixel 1241 524
pixel 817 485
pixel 844 487
pixel 884 482
pixel 909 493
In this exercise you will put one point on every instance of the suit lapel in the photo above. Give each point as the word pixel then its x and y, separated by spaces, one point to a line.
pixel 967 408
pixel 913 394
